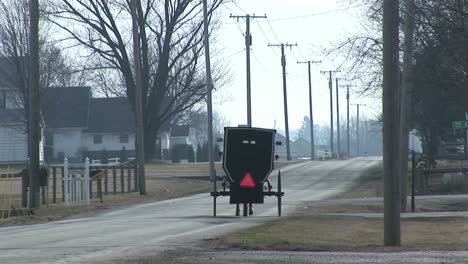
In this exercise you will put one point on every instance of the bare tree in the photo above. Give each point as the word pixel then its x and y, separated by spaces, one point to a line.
pixel 198 124
pixel 14 53
pixel 171 42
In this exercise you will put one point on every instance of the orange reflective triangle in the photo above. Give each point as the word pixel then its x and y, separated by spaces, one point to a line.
pixel 247 181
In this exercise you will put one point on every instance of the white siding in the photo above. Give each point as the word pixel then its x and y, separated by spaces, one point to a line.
pixel 68 141
pixel 109 142
pixel 164 140
pixel 13 100
pixel 13 145
pixel 178 141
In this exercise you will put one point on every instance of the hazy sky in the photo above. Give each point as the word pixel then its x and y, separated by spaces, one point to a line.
pixel 313 25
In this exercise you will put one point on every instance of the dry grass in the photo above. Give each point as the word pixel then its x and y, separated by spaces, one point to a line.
pixel 158 189
pixel 315 232
pixel 160 185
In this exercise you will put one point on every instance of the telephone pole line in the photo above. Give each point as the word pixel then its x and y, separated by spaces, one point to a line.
pixel 391 126
pixel 138 101
pixel 405 97
pixel 248 43
pixel 338 152
pixel 285 97
pixel 330 86
pixel 209 88
pixel 357 128
pixel 34 106
pixel 347 118
pixel 312 142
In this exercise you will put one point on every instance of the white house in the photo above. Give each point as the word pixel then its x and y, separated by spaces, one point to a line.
pixel 13 139
pixel 78 125
pixel 75 125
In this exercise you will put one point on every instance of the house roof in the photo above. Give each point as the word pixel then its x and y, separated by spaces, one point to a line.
pixel 279 137
pixel 9 77
pixel 111 115
pixel 66 107
pixel 179 131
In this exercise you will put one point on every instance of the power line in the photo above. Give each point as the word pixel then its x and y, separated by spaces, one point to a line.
pixel 243 11
pixel 271 28
pixel 302 55
pixel 266 38
pixel 318 14
pixel 259 63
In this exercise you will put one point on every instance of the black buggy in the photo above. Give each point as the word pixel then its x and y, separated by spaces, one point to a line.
pixel 248 162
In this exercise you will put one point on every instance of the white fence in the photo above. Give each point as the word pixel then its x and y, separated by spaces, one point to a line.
pixel 76 183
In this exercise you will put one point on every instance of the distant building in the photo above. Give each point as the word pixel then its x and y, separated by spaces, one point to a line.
pixel 78 125
pixel 13 137
pixel 74 124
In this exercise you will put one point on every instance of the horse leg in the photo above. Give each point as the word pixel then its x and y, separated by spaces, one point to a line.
pixel 237 210
pixel 250 209
pixel 245 209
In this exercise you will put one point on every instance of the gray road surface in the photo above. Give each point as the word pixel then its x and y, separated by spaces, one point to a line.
pixel 148 228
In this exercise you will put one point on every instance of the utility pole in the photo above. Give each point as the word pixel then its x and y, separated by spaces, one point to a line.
pixel 248 43
pixel 138 100
pixel 391 127
pixel 338 153
pixel 366 150
pixel 347 118
pixel 283 64
pixel 405 98
pixel 34 105
pixel 357 129
pixel 330 87
pixel 209 87
pixel 312 142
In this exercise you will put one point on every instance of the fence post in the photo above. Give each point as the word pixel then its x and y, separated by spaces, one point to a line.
pixel 106 181
pixel 86 182
pixel 129 179
pixel 114 180
pixel 62 169
pixel 135 178
pixel 122 181
pixel 54 185
pixel 90 184
pixel 66 179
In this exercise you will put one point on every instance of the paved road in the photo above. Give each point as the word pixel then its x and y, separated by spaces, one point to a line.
pixel 158 226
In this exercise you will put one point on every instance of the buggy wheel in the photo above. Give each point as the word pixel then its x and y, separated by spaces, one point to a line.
pixel 279 193
pixel 215 194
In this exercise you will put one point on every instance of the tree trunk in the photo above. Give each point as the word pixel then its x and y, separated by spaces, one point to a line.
pixel 150 143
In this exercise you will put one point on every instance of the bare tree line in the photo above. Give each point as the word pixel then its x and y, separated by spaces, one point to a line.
pixel 98 34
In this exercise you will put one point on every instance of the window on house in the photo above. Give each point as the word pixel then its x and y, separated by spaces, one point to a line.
pixel 97 139
pixel 2 99
pixel 124 138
